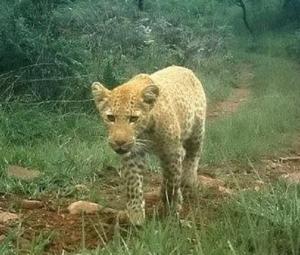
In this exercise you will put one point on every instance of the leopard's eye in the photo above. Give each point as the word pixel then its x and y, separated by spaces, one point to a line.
pixel 133 119
pixel 111 117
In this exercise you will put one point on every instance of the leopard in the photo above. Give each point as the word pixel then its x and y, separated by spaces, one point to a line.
pixel 166 112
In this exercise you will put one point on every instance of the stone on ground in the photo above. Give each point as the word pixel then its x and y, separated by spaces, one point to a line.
pixel 22 173
pixel 215 184
pixel 84 207
pixel 2 238
pixel 292 178
pixel 210 182
pixel 7 217
pixel 31 204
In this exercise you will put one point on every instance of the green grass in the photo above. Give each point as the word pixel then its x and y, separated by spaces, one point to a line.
pixel 267 122
pixel 218 76
pixel 252 223
pixel 67 148
pixel 71 145
pixel 265 222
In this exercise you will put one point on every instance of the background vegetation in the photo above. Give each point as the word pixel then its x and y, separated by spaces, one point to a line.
pixel 52 50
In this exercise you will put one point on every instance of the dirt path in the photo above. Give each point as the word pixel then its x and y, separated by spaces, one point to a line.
pixel 239 95
pixel 230 105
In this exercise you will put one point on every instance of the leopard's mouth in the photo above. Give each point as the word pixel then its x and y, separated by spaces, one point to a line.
pixel 121 151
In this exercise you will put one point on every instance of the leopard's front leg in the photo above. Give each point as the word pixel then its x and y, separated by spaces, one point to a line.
pixel 172 172
pixel 133 166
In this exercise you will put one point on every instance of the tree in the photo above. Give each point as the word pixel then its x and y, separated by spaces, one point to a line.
pixel 140 4
pixel 241 4
pixel 292 9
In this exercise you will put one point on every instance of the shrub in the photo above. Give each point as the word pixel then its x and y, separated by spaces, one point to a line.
pixel 55 49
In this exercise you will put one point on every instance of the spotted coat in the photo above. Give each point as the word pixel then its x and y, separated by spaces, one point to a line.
pixel 164 111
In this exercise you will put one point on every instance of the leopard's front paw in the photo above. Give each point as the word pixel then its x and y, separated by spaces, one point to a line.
pixel 136 216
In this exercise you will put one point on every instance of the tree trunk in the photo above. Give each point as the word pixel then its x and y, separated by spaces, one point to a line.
pixel 140 4
pixel 286 3
pixel 241 4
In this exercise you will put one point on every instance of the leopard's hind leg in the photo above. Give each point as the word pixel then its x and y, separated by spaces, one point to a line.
pixel 193 147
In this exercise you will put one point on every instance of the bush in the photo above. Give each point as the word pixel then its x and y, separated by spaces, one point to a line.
pixel 55 49
pixel 36 60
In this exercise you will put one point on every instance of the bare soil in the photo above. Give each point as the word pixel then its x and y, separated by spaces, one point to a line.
pixel 68 232
pixel 230 105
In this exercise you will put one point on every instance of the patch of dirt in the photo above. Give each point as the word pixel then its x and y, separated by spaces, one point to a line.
pixel 230 105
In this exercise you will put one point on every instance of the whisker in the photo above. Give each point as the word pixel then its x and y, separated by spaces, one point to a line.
pixel 142 145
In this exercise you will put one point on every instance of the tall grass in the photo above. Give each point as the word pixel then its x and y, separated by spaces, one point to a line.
pixel 78 41
pixel 67 148
pixel 72 145
pixel 267 122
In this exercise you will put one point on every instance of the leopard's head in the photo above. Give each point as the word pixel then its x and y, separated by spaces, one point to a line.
pixel 126 110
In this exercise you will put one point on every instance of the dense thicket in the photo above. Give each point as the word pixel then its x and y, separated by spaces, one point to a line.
pixel 53 49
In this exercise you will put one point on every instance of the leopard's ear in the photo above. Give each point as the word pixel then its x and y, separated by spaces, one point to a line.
pixel 150 94
pixel 100 94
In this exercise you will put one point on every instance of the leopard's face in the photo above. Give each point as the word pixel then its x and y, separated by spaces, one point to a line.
pixel 126 112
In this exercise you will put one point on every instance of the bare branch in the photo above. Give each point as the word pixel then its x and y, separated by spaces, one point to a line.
pixel 241 4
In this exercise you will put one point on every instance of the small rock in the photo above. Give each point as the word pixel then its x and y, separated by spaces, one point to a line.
pixel 84 207
pixel 31 204
pixel 2 228
pixel 6 217
pixel 260 182
pixel 122 217
pixel 210 182
pixel 24 244
pixel 110 211
pixel 2 238
pixel 215 184
pixel 225 191
pixel 292 178
pixel 257 188
pixel 152 198
pixel 22 173
pixel 186 223
pixel 81 187
pixel 152 195
pixel 258 185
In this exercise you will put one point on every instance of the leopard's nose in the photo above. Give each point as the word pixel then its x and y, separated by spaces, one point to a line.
pixel 121 146
pixel 120 143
